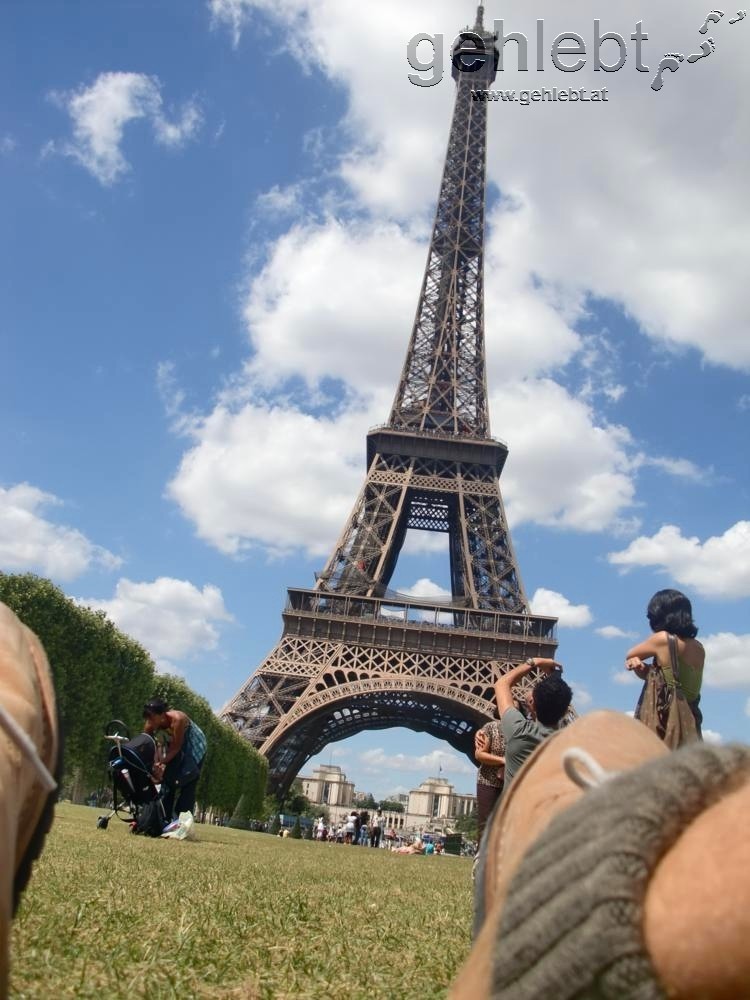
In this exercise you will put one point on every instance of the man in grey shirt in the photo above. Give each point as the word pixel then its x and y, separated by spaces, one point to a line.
pixel 547 703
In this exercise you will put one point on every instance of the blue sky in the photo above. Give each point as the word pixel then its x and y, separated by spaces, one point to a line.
pixel 213 236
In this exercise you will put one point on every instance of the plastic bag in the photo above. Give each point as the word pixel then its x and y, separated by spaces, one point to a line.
pixel 181 828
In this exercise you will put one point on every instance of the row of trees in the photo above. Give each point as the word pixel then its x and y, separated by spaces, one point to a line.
pixel 101 674
pixel 367 801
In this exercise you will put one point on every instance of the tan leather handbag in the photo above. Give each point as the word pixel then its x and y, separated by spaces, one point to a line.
pixel 663 706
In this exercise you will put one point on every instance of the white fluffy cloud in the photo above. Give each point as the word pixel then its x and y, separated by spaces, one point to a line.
pixel 549 602
pixel 565 467
pixel 626 677
pixel 274 477
pixel 335 301
pixel 280 201
pixel 171 618
pixel 377 760
pixel 727 660
pixel 613 632
pixel 100 112
pixel 426 588
pixel 582 698
pixel 29 541
pixel 718 567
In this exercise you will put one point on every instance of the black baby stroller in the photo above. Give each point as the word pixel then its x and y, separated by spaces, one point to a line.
pixel 130 763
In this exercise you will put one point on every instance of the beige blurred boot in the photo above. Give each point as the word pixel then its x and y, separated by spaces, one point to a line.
pixel 635 889
pixel 29 759
pixel 539 792
pixel 638 888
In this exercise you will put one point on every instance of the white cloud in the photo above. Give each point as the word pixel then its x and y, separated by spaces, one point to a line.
pixel 317 309
pixel 28 541
pixel 613 632
pixel 8 144
pixel 230 13
pixel 727 662
pixel 171 393
pixel 681 468
pixel 426 588
pixel 377 760
pixel 167 667
pixel 249 478
pixel 280 201
pixel 582 698
pixel 174 134
pixel 433 592
pixel 549 602
pixel 626 677
pixel 712 737
pixel 718 567
pixel 171 618
pixel 565 468
pixel 418 542
pixel 100 113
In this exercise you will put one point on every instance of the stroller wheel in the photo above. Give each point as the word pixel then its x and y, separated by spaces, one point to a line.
pixel 117 726
pixel 102 823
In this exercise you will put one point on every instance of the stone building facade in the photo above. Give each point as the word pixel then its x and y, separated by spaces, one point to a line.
pixel 328 787
pixel 432 808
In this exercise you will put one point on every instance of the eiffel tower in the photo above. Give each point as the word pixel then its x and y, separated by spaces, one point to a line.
pixel 353 654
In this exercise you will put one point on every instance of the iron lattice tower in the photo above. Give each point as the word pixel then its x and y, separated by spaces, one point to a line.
pixel 354 655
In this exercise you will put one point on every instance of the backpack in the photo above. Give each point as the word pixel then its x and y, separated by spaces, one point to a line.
pixel 151 819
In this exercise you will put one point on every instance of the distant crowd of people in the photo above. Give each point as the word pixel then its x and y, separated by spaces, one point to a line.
pixel 362 829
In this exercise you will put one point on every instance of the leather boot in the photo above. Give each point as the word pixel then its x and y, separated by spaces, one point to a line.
pixel 29 761
pixel 638 886
pixel 540 791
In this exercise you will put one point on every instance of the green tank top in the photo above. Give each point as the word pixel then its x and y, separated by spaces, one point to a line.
pixel 689 677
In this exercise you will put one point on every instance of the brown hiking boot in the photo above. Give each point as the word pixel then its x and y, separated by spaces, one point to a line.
pixel 30 755
pixel 630 879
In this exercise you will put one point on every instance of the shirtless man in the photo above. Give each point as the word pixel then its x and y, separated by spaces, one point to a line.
pixel 180 762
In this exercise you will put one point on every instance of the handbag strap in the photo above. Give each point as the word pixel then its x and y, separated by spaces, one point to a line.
pixel 674 662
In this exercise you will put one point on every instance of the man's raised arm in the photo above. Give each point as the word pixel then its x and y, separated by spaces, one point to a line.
pixel 504 683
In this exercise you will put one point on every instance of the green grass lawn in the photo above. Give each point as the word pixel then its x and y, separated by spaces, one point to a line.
pixel 234 914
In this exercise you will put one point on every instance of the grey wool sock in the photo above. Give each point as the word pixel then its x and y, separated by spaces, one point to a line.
pixel 572 922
